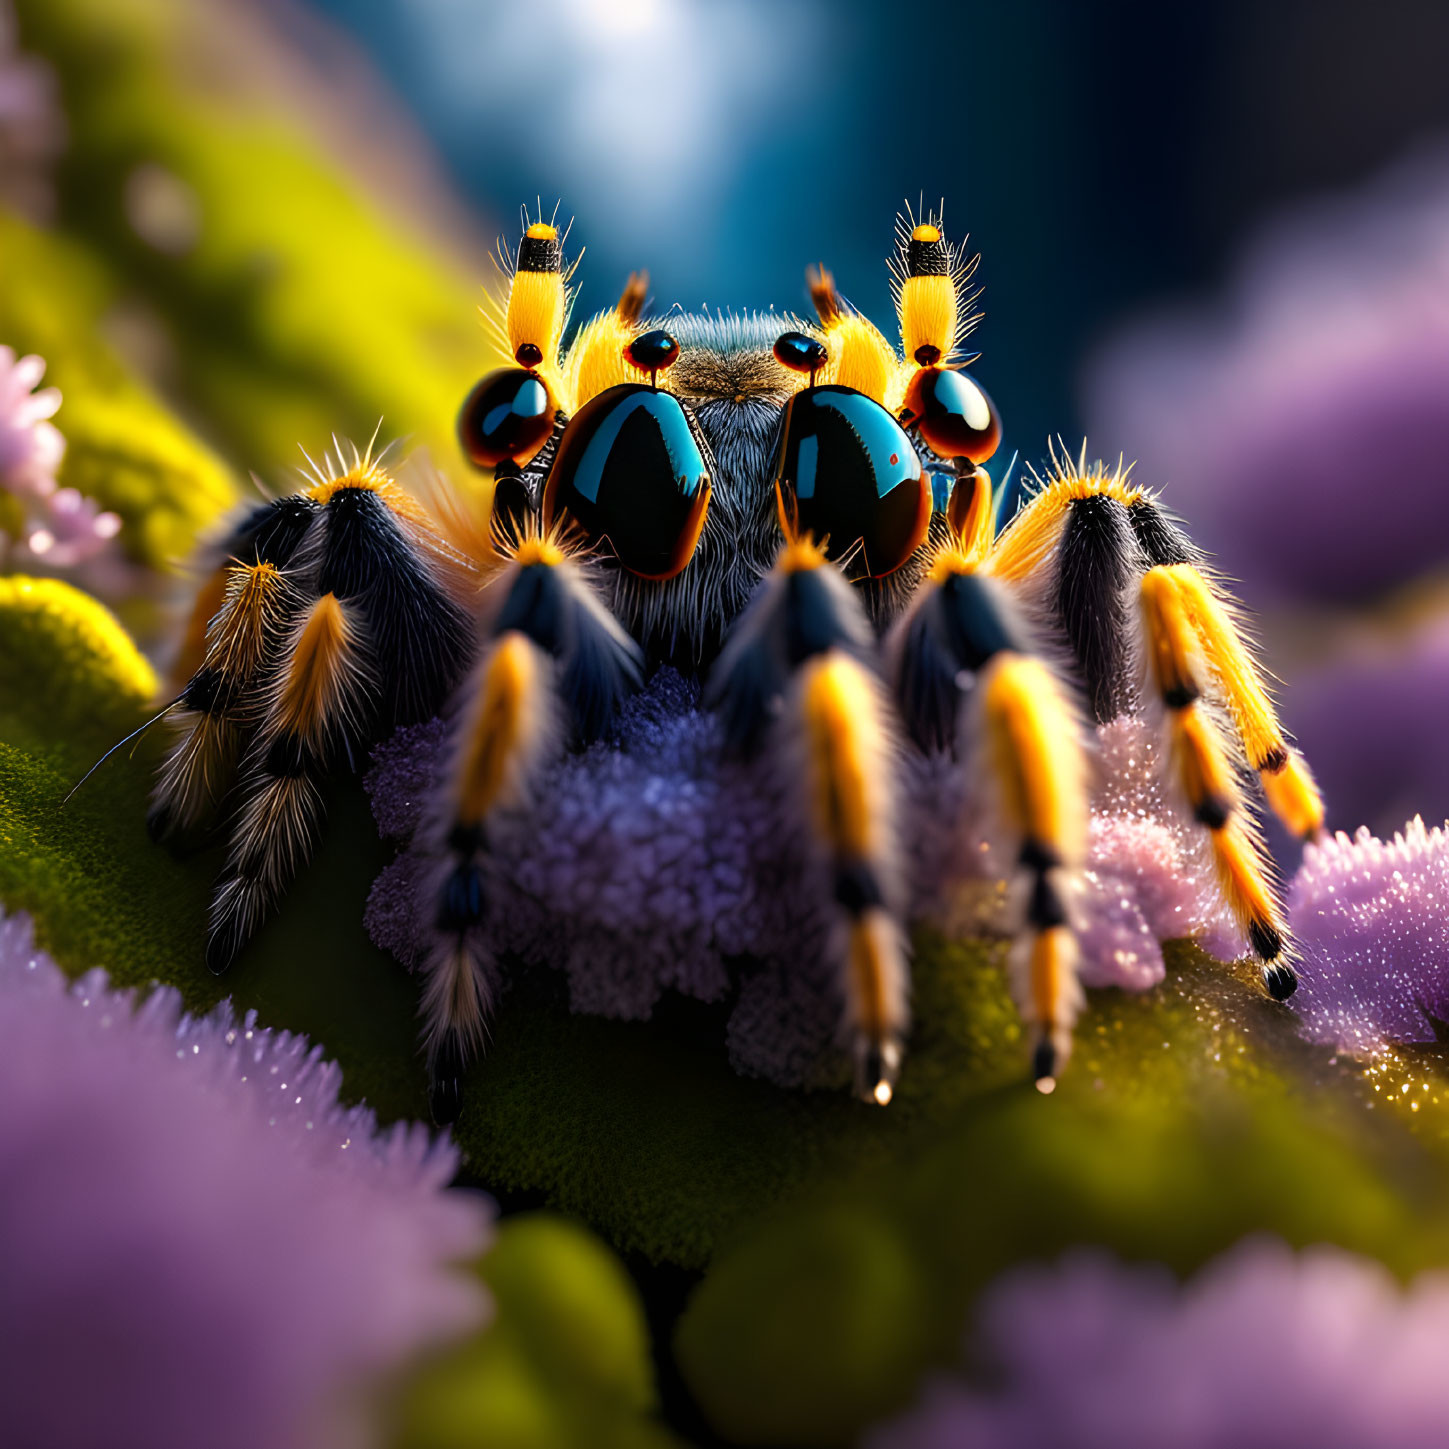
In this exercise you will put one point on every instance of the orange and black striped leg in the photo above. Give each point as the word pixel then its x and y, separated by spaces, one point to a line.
pixel 556 663
pixel 967 683
pixel 376 642
pixel 792 681
pixel 247 605
pixel 1287 781
pixel 1209 779
pixel 323 692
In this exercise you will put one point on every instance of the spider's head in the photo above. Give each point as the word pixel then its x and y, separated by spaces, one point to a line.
pixel 680 446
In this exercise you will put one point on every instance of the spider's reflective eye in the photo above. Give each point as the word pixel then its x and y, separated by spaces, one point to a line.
pixel 507 418
pixel 848 474
pixel 953 414
pixel 652 352
pixel 800 353
pixel 631 473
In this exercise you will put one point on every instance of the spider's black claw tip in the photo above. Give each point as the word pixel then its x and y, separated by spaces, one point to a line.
pixel 1266 941
pixel 877 1065
pixel 1281 981
pixel 445 1083
pixel 445 1099
pixel 221 950
pixel 1044 1066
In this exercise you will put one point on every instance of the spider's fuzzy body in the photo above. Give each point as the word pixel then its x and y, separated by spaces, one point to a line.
pixel 841 680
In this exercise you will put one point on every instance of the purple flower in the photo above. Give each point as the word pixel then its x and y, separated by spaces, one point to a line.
pixel 198 1243
pixel 1150 875
pixel 1264 1347
pixel 1369 919
pixel 653 863
pixel 32 127
pixel 1302 421
pixel 1372 724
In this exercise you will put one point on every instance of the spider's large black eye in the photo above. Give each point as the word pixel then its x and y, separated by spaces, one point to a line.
pixel 849 475
pixel 953 414
pixel 507 417
pixel 631 474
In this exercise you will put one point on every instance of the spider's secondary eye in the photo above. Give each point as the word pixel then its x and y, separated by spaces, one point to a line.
pixel 850 476
pixel 652 352
pixel 631 473
pixel 953 413
pixel 507 417
pixel 800 353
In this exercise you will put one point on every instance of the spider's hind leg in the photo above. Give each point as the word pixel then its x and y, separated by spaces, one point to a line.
pixel 1287 781
pixel 555 663
pixel 372 641
pixel 238 619
pixel 791 680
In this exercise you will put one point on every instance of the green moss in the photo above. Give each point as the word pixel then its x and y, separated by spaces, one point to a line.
pixel 302 306
pixel 842 1245
pixel 564 1365
pixel 71 685
pixel 123 448
pixel 1189 1119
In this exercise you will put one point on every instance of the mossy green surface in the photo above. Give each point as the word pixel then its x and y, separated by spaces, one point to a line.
pixel 564 1365
pixel 841 1245
pixel 123 448
pixel 301 306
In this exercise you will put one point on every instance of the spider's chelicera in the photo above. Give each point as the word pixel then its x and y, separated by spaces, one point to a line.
pixel 798 517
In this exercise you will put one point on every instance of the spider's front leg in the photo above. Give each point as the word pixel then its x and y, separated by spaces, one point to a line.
pixel 555 665
pixel 968 682
pixel 793 683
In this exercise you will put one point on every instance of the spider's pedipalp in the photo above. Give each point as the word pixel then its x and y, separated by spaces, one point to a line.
pixel 556 663
pixel 792 681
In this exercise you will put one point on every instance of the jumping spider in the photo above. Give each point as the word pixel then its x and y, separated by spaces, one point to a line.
pixel 795 513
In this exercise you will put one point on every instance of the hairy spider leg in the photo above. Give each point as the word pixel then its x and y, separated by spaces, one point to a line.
pixel 793 680
pixel 218 706
pixel 376 641
pixel 555 663
pixel 1103 534
pixel 1208 777
pixel 968 681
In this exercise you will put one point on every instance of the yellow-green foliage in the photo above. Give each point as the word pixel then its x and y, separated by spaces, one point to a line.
pixel 71 685
pixel 564 1365
pixel 123 447
pixel 303 307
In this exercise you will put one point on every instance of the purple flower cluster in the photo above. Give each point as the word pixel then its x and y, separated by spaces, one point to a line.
pixel 657 863
pixel 32 127
pixel 1265 1347
pixel 1370 920
pixel 1320 381
pixel 59 528
pixel 198 1243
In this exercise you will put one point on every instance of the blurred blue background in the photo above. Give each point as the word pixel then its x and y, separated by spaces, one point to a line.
pixel 1101 155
